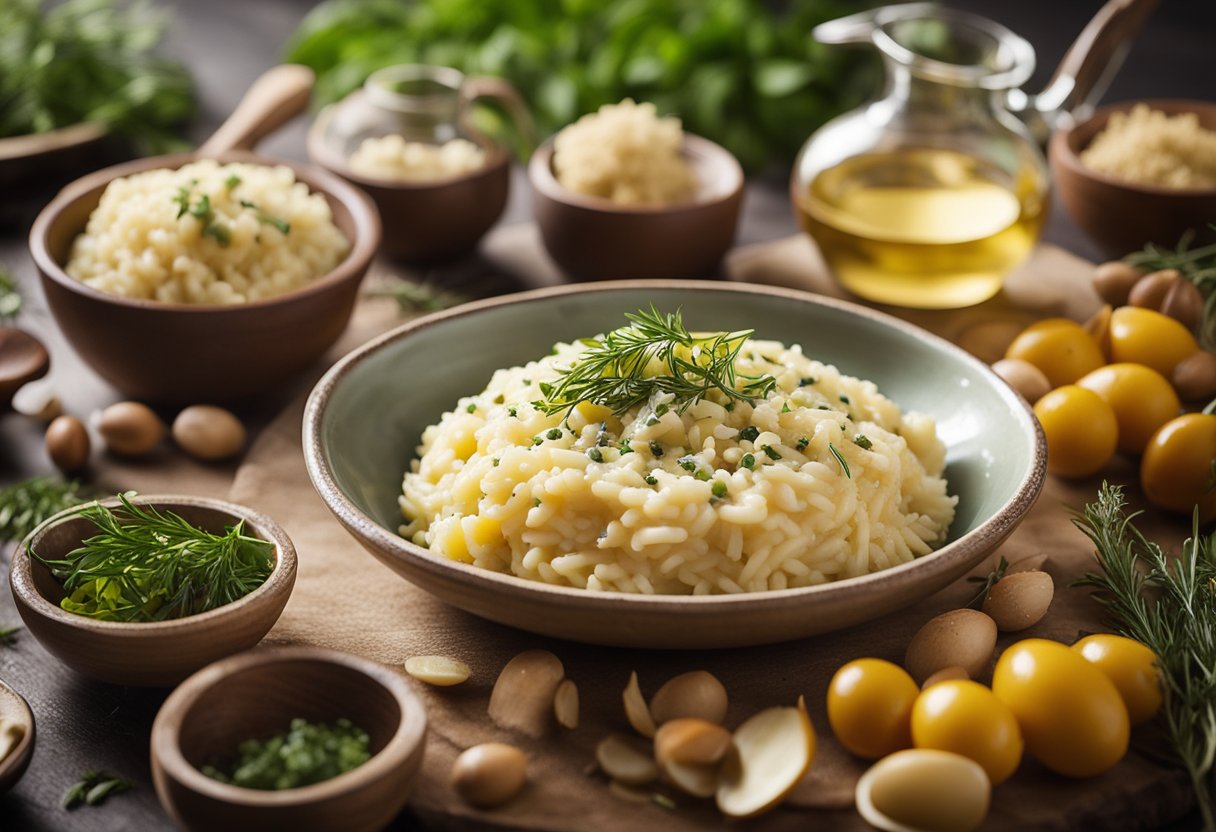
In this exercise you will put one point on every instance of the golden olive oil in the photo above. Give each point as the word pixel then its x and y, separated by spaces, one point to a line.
pixel 923 227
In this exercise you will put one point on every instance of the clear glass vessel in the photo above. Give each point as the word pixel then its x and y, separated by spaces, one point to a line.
pixel 930 195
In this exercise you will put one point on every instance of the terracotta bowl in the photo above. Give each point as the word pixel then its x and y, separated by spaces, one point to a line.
pixel 185 353
pixel 427 222
pixel 1121 216
pixel 257 694
pixel 364 419
pixel 152 654
pixel 595 239
pixel 13 708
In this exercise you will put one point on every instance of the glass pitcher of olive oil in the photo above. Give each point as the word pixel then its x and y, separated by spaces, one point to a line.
pixel 930 195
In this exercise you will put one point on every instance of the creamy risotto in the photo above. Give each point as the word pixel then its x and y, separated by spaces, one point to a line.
pixel 207 233
pixel 823 478
pixel 625 153
pixel 393 158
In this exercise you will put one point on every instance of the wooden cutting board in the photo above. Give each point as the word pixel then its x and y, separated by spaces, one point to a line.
pixel 347 600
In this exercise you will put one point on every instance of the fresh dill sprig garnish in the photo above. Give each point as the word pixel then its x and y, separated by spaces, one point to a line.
pixel 1169 605
pixel 26 504
pixel 148 565
pixel 10 295
pixel 987 582
pixel 655 354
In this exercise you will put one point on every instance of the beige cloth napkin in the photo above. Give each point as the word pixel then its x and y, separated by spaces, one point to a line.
pixel 345 599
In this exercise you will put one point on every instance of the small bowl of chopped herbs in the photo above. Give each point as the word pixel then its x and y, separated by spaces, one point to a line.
pixel 295 738
pixel 146 590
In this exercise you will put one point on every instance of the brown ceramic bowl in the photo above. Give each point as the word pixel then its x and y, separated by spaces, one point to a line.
pixel 152 654
pixel 1121 216
pixel 13 708
pixel 186 353
pixel 257 694
pixel 24 159
pixel 595 239
pixel 23 358
pixel 432 221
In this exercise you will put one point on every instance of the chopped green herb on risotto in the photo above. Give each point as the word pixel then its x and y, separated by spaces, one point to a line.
pixel 699 513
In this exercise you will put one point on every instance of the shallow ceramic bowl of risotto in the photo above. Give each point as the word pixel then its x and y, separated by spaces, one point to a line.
pixel 364 421
pixel 592 238
pixel 1122 216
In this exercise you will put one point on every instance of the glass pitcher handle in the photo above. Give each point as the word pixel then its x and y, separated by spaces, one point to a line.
pixel 496 89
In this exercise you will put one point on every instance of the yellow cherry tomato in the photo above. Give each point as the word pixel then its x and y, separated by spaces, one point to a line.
pixel 1133 669
pixel 870 707
pixel 1176 470
pixel 1061 348
pixel 1081 429
pixel 1143 336
pixel 1072 718
pixel 965 717
pixel 1142 398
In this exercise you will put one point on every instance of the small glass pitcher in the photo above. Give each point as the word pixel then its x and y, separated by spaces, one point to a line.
pixel 421 103
pixel 928 196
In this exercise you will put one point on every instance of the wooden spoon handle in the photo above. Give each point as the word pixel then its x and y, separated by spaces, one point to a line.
pixel 1095 56
pixel 275 98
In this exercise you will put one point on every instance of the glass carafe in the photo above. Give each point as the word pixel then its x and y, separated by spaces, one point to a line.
pixel 930 195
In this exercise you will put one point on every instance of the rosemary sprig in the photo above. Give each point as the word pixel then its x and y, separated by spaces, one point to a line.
pixel 147 565
pixel 653 355
pixel 1169 605
pixel 1197 265
pixel 10 296
pixel 93 788
pixel 987 583
pixel 26 504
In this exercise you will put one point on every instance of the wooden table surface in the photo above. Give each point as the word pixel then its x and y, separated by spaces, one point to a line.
pixel 227 43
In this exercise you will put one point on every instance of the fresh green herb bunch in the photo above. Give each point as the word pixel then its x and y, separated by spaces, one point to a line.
pixel 734 71
pixel 1169 605
pixel 307 753
pixel 90 61
pixel 147 565
pixel 654 354
pixel 10 295
pixel 25 505
pixel 1197 265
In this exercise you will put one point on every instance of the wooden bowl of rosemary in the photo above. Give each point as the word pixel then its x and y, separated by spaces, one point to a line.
pixel 358 726
pixel 146 590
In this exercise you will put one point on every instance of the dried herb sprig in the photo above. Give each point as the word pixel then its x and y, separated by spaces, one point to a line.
pixel 1169 605
pixel 93 788
pixel 147 565
pixel 987 582
pixel 655 354
pixel 26 504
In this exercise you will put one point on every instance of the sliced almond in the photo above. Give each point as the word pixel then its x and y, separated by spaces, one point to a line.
pixel 771 754
pixel 565 704
pixel 440 671
pixel 38 401
pixel 696 694
pixel 698 781
pixel 622 760
pixel 632 794
pixel 636 709
pixel 522 699
pixel 690 741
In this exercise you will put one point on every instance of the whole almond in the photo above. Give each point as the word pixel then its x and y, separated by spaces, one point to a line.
pixel 1020 600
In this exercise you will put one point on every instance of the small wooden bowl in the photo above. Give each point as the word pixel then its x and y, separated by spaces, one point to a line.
pixel 257 694
pixel 14 708
pixel 152 654
pixel 23 358
pixel 1121 216
pixel 595 239
pixel 432 221
pixel 184 353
